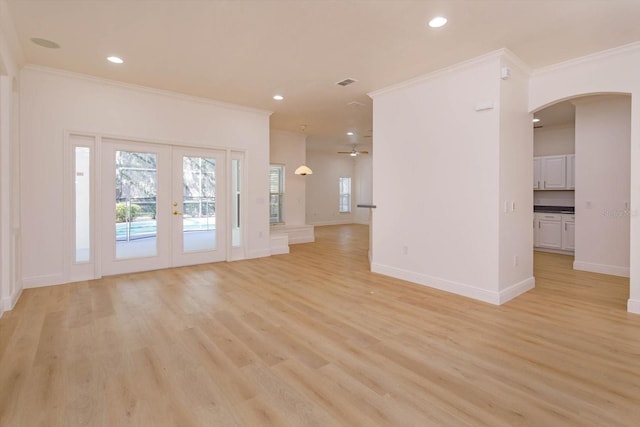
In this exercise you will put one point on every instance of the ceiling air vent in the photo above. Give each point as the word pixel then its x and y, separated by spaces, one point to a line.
pixel 355 104
pixel 346 82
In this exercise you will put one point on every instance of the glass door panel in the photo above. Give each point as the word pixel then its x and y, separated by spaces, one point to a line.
pixel 198 203
pixel 162 206
pixel 136 184
pixel 136 196
pixel 199 234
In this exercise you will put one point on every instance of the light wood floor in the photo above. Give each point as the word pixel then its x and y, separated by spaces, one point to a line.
pixel 313 339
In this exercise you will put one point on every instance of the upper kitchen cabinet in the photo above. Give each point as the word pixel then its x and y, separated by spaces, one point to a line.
pixel 571 172
pixel 537 173
pixel 554 172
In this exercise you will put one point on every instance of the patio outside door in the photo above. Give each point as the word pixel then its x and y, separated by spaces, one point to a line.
pixel 163 206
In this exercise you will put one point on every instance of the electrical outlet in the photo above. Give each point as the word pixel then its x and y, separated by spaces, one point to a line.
pixel 515 260
pixel 405 250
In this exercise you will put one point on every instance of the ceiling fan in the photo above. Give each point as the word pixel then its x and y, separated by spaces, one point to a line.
pixel 353 152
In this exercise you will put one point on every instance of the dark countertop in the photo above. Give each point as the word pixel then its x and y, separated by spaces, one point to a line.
pixel 555 209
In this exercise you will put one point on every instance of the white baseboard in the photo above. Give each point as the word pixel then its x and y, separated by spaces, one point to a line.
pixel 259 253
pixel 516 289
pixel 457 288
pixel 613 270
pixel 303 233
pixel 294 240
pixel 9 302
pixel 279 243
pixel 41 281
pixel 334 222
pixel 633 306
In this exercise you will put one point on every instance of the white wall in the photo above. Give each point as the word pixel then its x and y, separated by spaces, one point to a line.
pixel 554 198
pixel 516 170
pixel 53 102
pixel 363 190
pixel 289 149
pixel 603 133
pixel 10 60
pixel 437 183
pixel 557 140
pixel 322 188
pixel 613 71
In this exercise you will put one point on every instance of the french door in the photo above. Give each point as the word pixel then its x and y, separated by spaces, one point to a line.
pixel 163 206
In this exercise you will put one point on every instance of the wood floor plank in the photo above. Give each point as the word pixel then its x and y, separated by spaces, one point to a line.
pixel 313 338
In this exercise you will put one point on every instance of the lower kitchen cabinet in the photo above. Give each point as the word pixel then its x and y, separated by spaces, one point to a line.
pixel 548 231
pixel 568 232
pixel 554 231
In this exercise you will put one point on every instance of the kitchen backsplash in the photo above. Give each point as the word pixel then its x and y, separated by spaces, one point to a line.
pixel 554 198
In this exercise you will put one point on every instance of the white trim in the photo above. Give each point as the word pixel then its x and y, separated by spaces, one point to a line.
pixel 261 253
pixel 10 302
pixel 633 306
pixel 296 233
pixel 462 289
pixel 156 141
pixel 614 270
pixel 279 243
pixel 335 222
pixel 554 251
pixel 41 281
pixel 146 89
pixel 447 70
pixel 597 56
pixel 516 61
pixel 516 289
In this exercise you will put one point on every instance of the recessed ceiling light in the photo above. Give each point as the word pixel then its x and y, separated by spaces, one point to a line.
pixel 278 97
pixel 350 133
pixel 115 59
pixel 536 120
pixel 437 22
pixel 45 43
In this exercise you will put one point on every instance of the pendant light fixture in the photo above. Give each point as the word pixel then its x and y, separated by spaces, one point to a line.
pixel 303 170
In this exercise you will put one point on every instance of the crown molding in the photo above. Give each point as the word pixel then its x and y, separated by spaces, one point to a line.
pixel 145 89
pixel 516 61
pixel 597 56
pixel 443 71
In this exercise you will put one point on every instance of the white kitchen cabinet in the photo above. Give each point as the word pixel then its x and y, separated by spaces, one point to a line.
pixel 568 232
pixel 571 171
pixel 554 173
pixel 537 173
pixel 548 233
pixel 554 232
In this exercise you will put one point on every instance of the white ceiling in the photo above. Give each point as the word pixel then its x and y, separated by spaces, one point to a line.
pixel 244 52
pixel 560 114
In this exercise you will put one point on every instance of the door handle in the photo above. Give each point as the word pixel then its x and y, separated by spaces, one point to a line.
pixel 177 213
